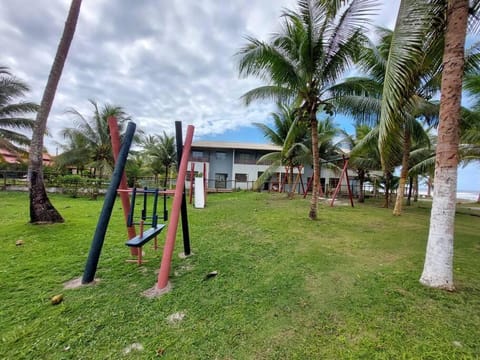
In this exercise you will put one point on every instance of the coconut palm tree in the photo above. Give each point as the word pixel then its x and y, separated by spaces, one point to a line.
pixel 417 22
pixel 438 267
pixel 12 112
pixel 362 98
pixel 362 160
pixel 88 142
pixel 300 63
pixel 470 124
pixel 291 137
pixel 161 150
pixel 41 209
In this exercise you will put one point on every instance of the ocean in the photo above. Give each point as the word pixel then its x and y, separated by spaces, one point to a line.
pixel 467 195
pixel 461 194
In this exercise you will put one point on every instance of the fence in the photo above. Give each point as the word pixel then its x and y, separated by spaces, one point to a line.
pixel 76 185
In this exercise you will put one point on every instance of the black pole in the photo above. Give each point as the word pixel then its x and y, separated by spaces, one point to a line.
pixel 104 218
pixel 186 235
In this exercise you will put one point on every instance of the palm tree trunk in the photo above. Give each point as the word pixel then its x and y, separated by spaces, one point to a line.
pixel 403 173
pixel 361 180
pixel 415 195
pixel 387 176
pixel 316 169
pixel 166 177
pixel 41 209
pixel 410 190
pixel 438 267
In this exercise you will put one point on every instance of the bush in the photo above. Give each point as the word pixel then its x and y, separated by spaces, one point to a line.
pixel 71 184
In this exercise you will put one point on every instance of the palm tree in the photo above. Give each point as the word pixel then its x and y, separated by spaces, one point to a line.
pixel 291 137
pixel 12 112
pixel 88 143
pixel 410 34
pixel 315 46
pixel 470 125
pixel 438 267
pixel 41 209
pixel 362 98
pixel 162 151
pixel 362 159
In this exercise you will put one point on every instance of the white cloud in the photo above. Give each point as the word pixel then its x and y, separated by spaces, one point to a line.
pixel 161 60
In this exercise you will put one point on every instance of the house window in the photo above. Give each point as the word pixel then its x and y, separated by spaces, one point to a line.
pixel 198 155
pixel 221 155
pixel 191 175
pixel 333 182
pixel 241 177
pixel 245 158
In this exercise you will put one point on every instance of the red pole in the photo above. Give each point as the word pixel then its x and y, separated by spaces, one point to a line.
pixel 309 183
pixel 192 174
pixel 162 282
pixel 348 182
pixel 337 189
pixel 115 139
pixel 205 184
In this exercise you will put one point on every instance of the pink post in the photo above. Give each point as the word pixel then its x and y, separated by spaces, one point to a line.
pixel 162 282
pixel 115 139
pixel 205 184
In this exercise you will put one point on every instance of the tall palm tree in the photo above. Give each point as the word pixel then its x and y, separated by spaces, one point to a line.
pixel 88 143
pixel 314 47
pixel 41 209
pixel 162 151
pixel 438 267
pixel 362 159
pixel 12 112
pixel 291 137
pixel 411 33
pixel 470 124
pixel 362 98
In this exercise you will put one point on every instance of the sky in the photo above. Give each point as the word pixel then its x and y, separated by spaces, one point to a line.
pixel 162 61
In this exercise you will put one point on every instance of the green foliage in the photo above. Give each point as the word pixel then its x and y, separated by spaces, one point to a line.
pixel 71 184
pixel 88 141
pixel 12 112
pixel 287 287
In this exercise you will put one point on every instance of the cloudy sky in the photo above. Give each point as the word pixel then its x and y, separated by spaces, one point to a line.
pixel 162 61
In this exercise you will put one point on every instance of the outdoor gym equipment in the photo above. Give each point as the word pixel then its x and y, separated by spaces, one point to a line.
pixel 104 218
pixel 344 174
pixel 118 183
pixel 144 236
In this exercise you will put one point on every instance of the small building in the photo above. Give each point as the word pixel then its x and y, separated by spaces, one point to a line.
pixel 235 165
pixel 10 157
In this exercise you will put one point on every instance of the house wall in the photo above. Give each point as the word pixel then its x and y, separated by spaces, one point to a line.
pixel 241 170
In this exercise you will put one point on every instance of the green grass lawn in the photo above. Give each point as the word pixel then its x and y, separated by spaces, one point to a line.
pixel 343 287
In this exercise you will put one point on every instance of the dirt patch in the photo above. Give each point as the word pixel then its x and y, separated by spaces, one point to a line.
pixel 77 282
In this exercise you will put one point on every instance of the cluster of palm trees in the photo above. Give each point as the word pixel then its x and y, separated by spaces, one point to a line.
pixel 87 146
pixel 303 67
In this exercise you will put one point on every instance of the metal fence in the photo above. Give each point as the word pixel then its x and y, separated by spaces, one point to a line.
pixel 76 184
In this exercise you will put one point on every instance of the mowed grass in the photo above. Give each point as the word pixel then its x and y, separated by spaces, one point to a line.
pixel 343 287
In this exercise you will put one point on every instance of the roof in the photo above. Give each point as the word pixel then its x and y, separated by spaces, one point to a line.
pixel 13 158
pixel 235 145
pixel 9 157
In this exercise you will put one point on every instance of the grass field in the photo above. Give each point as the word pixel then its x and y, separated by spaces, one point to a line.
pixel 343 287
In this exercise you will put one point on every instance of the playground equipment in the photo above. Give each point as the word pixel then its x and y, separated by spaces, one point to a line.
pixel 344 174
pixel 119 182
pixel 144 236
pixel 337 189
pixel 104 219
pixel 198 186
